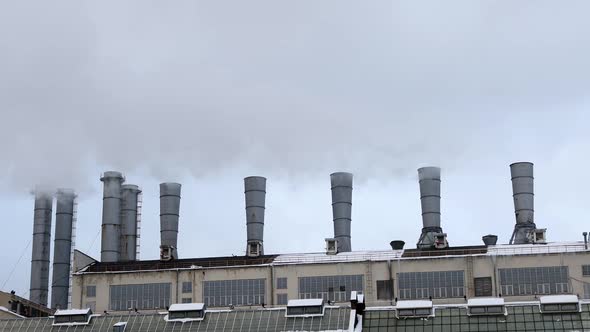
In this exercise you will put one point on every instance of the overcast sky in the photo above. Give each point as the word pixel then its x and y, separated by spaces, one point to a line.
pixel 207 92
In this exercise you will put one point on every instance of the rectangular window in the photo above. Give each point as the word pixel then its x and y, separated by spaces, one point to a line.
pixel 187 287
pixel 534 280
pixel 187 300
pixel 435 284
pixel 223 293
pixel 586 291
pixel 282 299
pixel 483 286
pixel 384 289
pixel 330 288
pixel 586 270
pixel 90 291
pixel 281 283
pixel 140 296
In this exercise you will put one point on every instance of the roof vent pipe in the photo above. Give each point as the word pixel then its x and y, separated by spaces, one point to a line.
pixel 64 217
pixel 255 195
pixel 38 292
pixel 342 209
pixel 490 239
pixel 169 215
pixel 129 199
pixel 430 183
pixel 111 217
pixel 397 244
pixel 524 201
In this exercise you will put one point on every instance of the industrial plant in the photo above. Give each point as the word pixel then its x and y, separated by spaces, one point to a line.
pixel 528 284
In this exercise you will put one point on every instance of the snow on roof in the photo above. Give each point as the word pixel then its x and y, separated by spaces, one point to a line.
pixel 487 301
pixel 354 256
pixel 186 307
pixel 528 249
pixel 120 324
pixel 413 304
pixel 549 299
pixel 72 312
pixel 305 303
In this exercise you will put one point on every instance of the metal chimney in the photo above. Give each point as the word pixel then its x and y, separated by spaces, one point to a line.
pixel 64 216
pixel 169 214
pixel 524 201
pixel 342 209
pixel 41 248
pixel 111 217
pixel 129 199
pixel 432 235
pixel 255 195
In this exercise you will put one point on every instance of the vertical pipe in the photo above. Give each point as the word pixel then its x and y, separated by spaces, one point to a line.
pixel 111 217
pixel 524 200
pixel 129 198
pixel 41 248
pixel 64 214
pixel 255 196
pixel 430 184
pixel 342 209
pixel 169 215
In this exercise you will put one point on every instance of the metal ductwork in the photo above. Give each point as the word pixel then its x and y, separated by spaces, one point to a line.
pixel 64 218
pixel 129 205
pixel 342 209
pixel 524 202
pixel 111 217
pixel 432 235
pixel 255 195
pixel 39 286
pixel 169 214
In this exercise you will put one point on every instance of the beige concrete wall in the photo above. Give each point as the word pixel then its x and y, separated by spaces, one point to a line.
pixel 475 266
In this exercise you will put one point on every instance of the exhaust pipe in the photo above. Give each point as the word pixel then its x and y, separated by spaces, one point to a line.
pixel 432 235
pixel 64 218
pixel 255 195
pixel 524 202
pixel 129 198
pixel 39 286
pixel 169 215
pixel 342 209
pixel 111 217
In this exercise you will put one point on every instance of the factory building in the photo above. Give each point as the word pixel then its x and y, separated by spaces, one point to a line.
pixel 399 288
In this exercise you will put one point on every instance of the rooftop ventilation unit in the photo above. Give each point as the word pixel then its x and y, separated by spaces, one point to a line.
pixel 342 209
pixel 414 309
pixel 64 216
pixel 129 204
pixel 72 317
pixel 525 230
pixel 432 236
pixel 331 246
pixel 186 312
pixel 169 215
pixel 486 307
pixel 553 304
pixel 119 327
pixel 255 196
pixel 111 217
pixel 305 307
pixel 397 244
pixel 41 247
pixel 490 240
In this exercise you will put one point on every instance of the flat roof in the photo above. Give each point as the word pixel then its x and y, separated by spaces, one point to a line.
pixel 186 307
pixel 487 301
pixel 305 303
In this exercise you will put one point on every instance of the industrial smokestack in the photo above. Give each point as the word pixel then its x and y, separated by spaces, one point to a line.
pixel 169 214
pixel 524 201
pixel 129 203
pixel 255 193
pixel 432 235
pixel 41 248
pixel 64 217
pixel 342 209
pixel 111 217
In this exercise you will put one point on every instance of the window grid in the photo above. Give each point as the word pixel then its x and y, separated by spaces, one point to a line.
pixel 384 289
pixel 223 293
pixel 435 284
pixel 282 299
pixel 330 288
pixel 534 281
pixel 187 287
pixel 90 291
pixel 187 300
pixel 140 296
pixel 586 270
pixel 281 283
